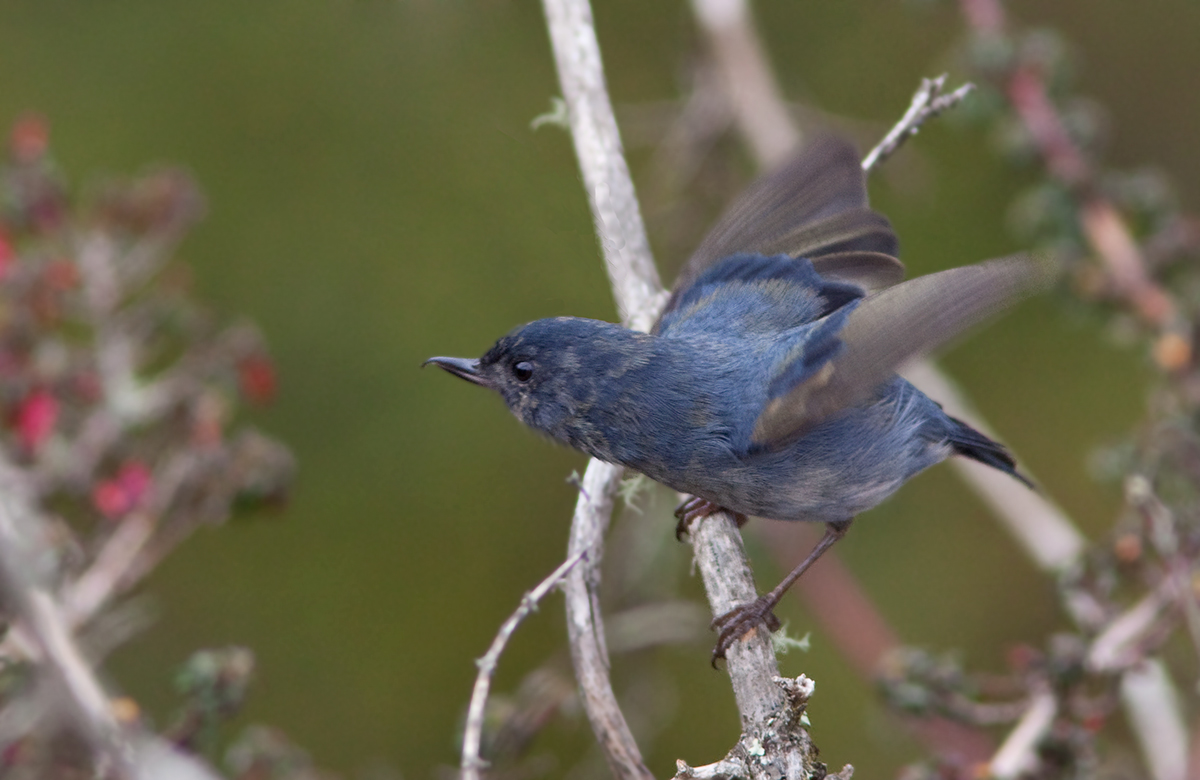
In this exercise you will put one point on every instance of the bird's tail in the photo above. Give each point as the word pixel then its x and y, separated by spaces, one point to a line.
pixel 971 443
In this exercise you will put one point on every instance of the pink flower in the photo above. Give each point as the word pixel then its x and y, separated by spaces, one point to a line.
pixel 109 499
pixel 135 480
pixel 114 498
pixel 36 418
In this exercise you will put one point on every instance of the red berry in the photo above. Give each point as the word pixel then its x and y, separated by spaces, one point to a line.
pixel 256 375
pixel 36 418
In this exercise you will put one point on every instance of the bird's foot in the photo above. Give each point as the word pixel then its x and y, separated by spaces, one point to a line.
pixel 695 508
pixel 741 620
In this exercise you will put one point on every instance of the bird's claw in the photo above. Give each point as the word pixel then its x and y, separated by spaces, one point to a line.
pixel 690 511
pixel 740 620
pixel 695 508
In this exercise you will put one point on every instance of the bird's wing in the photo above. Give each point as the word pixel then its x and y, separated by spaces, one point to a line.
pixel 748 296
pixel 882 332
pixel 815 207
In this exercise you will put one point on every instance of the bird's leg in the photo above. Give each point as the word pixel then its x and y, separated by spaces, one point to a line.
pixel 744 618
pixel 695 508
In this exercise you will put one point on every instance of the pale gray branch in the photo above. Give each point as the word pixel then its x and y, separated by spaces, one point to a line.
pixel 1017 755
pixel 636 286
pixel 585 626
pixel 928 101
pixel 84 597
pixel 639 296
pixel 772 743
pixel 473 730
pixel 1156 718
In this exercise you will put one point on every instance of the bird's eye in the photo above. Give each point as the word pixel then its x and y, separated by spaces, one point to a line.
pixel 523 371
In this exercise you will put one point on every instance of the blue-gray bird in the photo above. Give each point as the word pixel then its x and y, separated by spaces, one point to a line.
pixel 768 387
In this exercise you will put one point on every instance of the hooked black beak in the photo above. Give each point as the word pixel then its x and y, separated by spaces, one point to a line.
pixel 460 367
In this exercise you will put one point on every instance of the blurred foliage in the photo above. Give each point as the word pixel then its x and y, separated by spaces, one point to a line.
pixel 121 438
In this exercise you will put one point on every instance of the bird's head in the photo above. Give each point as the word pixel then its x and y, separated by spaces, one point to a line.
pixel 553 372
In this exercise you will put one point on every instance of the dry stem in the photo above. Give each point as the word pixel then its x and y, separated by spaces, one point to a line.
pixel 927 102
pixel 473 730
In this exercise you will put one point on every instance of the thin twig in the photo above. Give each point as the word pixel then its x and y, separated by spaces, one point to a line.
pixel 585 626
pixel 721 770
pixel 1117 647
pixel 473 731
pixel 96 586
pixel 1016 755
pixel 927 102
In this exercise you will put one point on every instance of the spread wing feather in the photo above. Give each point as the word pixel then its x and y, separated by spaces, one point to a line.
pixel 814 207
pixel 887 329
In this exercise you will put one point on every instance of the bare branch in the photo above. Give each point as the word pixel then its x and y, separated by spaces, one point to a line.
pixel 636 286
pixel 96 586
pixel 727 589
pixel 927 102
pixel 1017 755
pixel 473 731
pixel 585 626
pixel 721 770
pixel 1117 647
pixel 771 744
pixel 1156 716
pixel 639 297
pixel 757 754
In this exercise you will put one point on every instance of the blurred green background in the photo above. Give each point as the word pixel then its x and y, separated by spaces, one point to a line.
pixel 376 197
